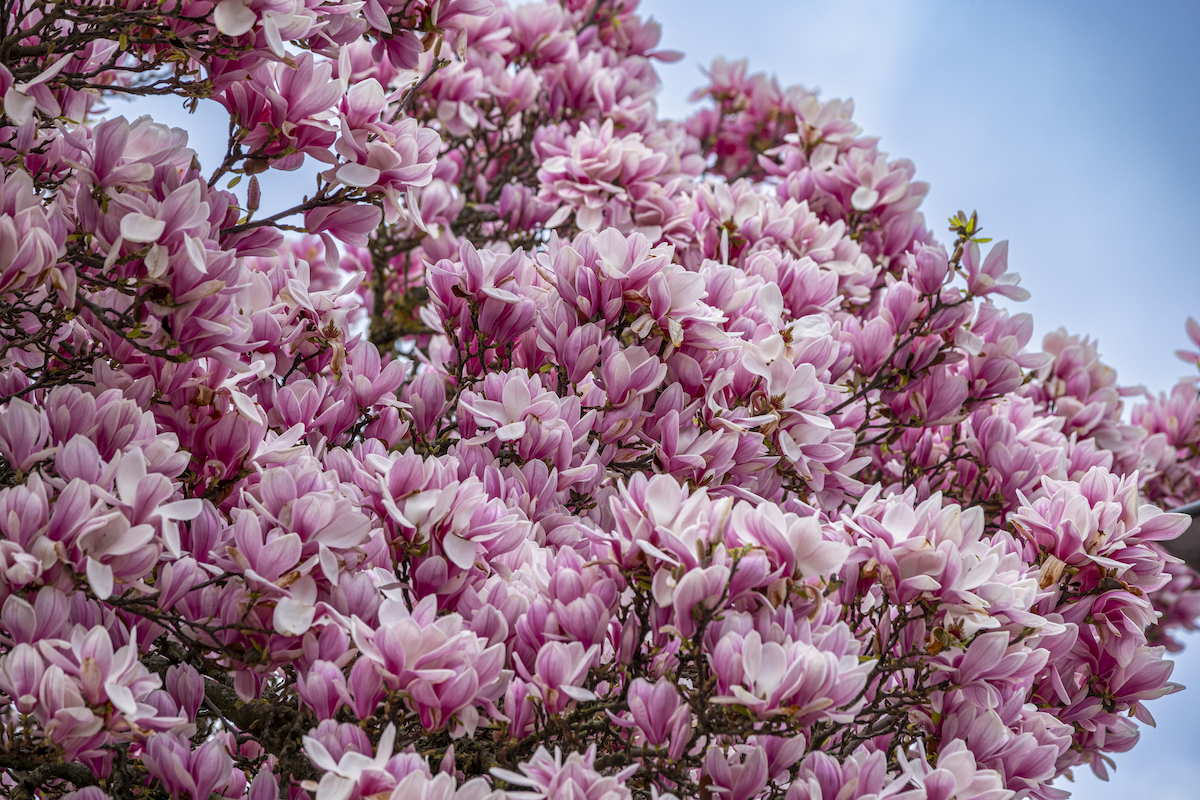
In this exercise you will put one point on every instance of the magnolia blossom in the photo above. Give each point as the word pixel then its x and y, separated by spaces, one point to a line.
pixel 544 447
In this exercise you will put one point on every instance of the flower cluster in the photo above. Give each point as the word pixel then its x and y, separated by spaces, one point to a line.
pixel 548 448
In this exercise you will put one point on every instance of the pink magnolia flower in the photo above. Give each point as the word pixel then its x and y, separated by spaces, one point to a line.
pixel 738 775
pixel 324 689
pixel 661 715
pixel 992 276
pixel 559 673
pixel 590 169
pixel 388 158
pixel 343 775
pixel 957 776
pixel 549 776
pixel 182 770
pixel 790 677
pixel 821 777
pixel 445 671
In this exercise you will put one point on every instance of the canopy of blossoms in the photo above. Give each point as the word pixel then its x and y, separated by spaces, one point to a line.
pixel 547 449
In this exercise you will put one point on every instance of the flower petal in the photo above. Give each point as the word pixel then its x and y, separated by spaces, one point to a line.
pixel 141 228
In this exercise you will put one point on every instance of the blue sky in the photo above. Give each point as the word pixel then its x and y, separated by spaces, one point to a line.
pixel 1072 128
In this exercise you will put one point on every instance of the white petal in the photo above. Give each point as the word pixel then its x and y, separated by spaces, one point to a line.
pixel 329 564
pixel 305 590
pixel 557 218
pixel 511 432
pixel 334 787
pixel 246 407
pixel 752 648
pixel 663 499
pixel 899 520
pixel 233 18
pixel 459 550
pixel 368 94
pixel 141 228
pixel 130 472
pixel 502 295
pixel 515 778
pixel 577 693
pixel 812 326
pixel 357 175
pixel 412 199
pixel 47 73
pixel 100 576
pixel 157 261
pixel 274 40
pixel 181 509
pixel 823 157
pixel 772 666
pixel 393 510
pixel 771 349
pixel 589 219
pixel 170 533
pixel 293 618
pixel 770 300
pixel 197 253
pixel 318 755
pixel 864 198
pixel 353 764
pixel 387 743
pixel 17 106
pixel 121 698
pixel 790 449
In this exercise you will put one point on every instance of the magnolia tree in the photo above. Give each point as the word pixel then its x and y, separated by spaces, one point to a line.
pixel 548 448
